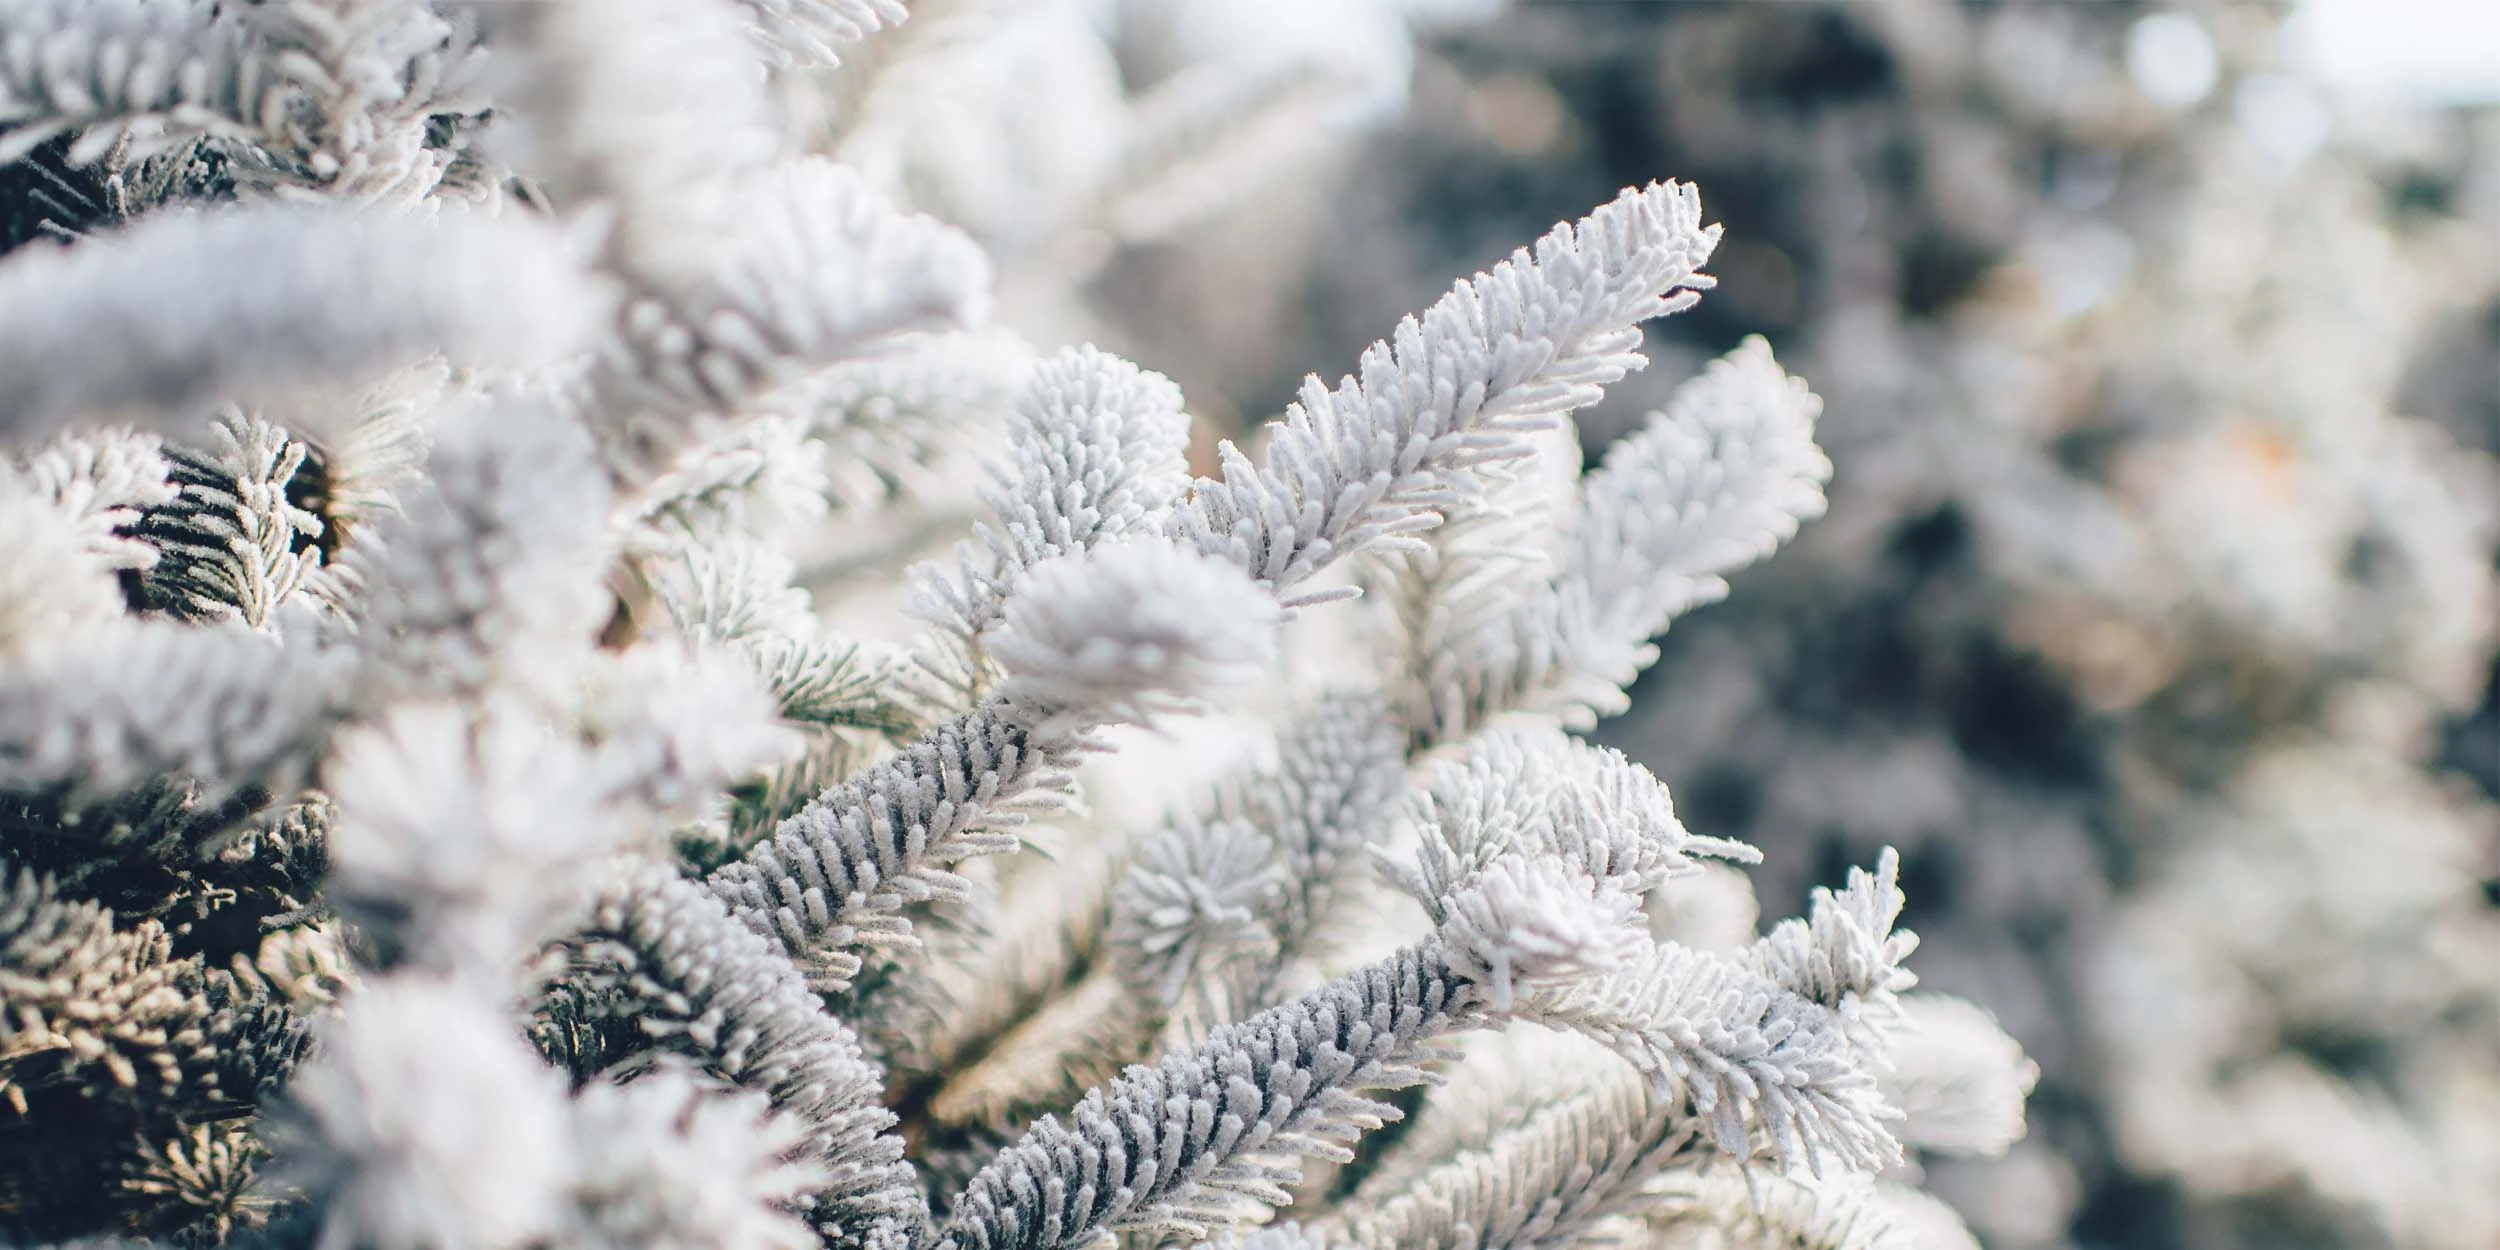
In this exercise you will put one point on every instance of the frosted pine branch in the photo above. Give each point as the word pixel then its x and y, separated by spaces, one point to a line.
pixel 275 297
pixel 835 875
pixel 1716 481
pixel 896 417
pixel 1504 353
pixel 1526 921
pixel 1765 1068
pixel 1842 1214
pixel 671 1159
pixel 1130 632
pixel 641 105
pixel 1548 1180
pixel 380 1128
pixel 1096 449
pixel 331 94
pixel 1127 632
pixel 812 268
pixel 459 846
pixel 759 484
pixel 66 509
pixel 738 594
pixel 706 986
pixel 1713 482
pixel 1845 954
pixel 491 570
pixel 1539 793
pixel 220 705
pixel 230 541
pixel 1191 905
pixel 1206 1136
pixel 152 71
pixel 1959 1080
pixel 104 480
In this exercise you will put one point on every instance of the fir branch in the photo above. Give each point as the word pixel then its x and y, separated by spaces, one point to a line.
pixel 1846 955
pixel 1192 906
pixel 222 706
pixel 671 1160
pixel 462 836
pixel 1339 777
pixel 1781 1210
pixel 1569 1164
pixel 702 984
pixel 107 1045
pixel 276 296
pixel 738 594
pixel 1958 1079
pixel 104 480
pixel 640 105
pixel 758 484
pixel 1766 1068
pixel 1196 912
pixel 1505 353
pixel 152 71
pixel 208 1175
pixel 1206 1137
pixel 1541 793
pixel 895 417
pixel 1715 481
pixel 1096 450
pixel 816 268
pixel 493 569
pixel 1122 633
pixel 380 1129
pixel 838 873
pixel 233 544
pixel 67 510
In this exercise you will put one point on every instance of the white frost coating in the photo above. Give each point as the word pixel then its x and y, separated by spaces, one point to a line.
pixel 1716 481
pixel 384 1125
pixel 1131 631
pixel 811 268
pixel 805 33
pixel 1713 482
pixel 1096 449
pixel 1767 1069
pixel 639 102
pixel 1503 354
pixel 675 725
pixel 144 699
pixel 674 1161
pixel 273 297
pixel 493 568
pixel 456 841
pixel 1531 920
pixel 1192 902
pixel 1544 794
pixel 65 509
pixel 1958 1077
pixel 1845 954
pixel 152 70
